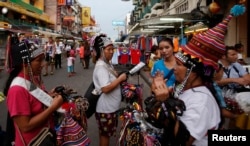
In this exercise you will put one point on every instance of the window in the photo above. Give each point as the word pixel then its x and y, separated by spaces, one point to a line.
pixel 182 8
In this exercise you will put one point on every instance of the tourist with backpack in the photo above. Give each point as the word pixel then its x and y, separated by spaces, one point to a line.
pixel 233 83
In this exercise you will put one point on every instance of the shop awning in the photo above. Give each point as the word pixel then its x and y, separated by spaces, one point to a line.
pixel 46 33
pixel 15 29
pixel 164 22
pixel 140 31
pixel 18 31
pixel 158 21
pixel 200 26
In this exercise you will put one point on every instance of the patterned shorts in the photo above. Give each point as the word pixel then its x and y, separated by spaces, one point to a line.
pixel 107 123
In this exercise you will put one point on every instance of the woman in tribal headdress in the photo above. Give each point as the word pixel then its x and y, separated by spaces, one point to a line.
pixel 28 114
pixel 194 72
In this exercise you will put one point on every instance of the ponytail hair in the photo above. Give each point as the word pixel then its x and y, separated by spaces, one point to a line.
pixel 98 45
pixel 12 75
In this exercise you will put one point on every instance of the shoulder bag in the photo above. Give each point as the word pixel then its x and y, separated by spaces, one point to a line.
pixel 93 95
pixel 70 133
pixel 44 138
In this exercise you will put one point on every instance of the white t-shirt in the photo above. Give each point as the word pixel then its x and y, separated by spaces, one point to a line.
pixel 58 48
pixel 70 61
pixel 115 56
pixel 152 55
pixel 202 113
pixel 108 102
pixel 68 48
pixel 50 49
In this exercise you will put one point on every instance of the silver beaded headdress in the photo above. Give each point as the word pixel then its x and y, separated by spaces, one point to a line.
pixel 186 59
pixel 190 64
pixel 21 52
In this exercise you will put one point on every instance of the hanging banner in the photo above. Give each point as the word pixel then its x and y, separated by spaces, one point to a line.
pixel 86 13
pixel 69 2
pixel 61 2
pixel 58 15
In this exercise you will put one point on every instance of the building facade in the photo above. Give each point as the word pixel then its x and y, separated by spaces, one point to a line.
pixel 43 18
pixel 173 17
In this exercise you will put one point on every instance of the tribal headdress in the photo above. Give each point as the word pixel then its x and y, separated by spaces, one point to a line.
pixel 19 53
pixel 101 41
pixel 208 47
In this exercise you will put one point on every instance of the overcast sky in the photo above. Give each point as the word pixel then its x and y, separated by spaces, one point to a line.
pixel 105 11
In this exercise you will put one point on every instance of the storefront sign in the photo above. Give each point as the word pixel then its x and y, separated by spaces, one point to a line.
pixel 118 23
pixel 86 13
pixel 61 2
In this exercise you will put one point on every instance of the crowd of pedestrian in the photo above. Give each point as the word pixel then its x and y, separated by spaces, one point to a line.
pixel 56 50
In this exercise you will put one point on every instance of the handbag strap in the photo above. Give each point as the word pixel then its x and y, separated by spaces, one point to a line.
pixel 21 136
pixel 109 68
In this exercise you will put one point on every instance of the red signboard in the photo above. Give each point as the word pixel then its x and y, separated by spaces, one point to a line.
pixel 61 2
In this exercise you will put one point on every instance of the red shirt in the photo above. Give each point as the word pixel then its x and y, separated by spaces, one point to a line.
pixel 72 52
pixel 143 43
pixel 135 56
pixel 123 55
pixel 21 102
pixel 81 52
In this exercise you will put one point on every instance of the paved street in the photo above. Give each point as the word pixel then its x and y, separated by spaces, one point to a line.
pixel 80 83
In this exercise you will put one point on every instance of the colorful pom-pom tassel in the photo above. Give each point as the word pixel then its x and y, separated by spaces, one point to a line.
pixel 238 10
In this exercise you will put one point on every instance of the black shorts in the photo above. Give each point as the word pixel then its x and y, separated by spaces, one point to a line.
pixel 47 57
